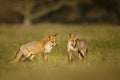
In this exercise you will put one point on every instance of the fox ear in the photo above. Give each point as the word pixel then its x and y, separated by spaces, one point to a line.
pixel 49 37
pixel 55 35
pixel 76 35
pixel 70 35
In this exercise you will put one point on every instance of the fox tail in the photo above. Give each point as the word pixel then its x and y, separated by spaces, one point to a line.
pixel 17 57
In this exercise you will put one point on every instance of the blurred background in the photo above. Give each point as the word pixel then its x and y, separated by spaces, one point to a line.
pixel 29 12
pixel 95 21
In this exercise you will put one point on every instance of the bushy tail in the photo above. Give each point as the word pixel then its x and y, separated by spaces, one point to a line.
pixel 17 57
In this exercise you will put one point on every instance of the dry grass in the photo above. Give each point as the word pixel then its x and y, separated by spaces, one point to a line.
pixel 103 56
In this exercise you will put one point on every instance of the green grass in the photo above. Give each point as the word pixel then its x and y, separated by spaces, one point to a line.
pixel 103 56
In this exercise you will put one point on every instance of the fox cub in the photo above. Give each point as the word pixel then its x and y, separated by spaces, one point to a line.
pixel 75 45
pixel 30 49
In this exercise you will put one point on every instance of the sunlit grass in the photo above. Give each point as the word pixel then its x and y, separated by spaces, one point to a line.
pixel 103 43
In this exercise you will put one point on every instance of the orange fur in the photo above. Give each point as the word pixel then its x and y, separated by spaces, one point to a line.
pixel 76 45
pixel 30 49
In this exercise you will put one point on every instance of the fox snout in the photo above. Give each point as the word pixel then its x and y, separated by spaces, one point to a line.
pixel 54 44
pixel 74 45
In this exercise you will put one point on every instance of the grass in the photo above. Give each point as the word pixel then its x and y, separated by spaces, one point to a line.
pixel 103 57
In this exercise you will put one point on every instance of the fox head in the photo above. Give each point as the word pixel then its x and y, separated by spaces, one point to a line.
pixel 52 40
pixel 72 41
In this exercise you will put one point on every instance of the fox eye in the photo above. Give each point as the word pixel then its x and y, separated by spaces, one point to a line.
pixel 52 41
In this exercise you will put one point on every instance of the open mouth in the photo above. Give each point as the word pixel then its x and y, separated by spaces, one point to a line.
pixel 74 45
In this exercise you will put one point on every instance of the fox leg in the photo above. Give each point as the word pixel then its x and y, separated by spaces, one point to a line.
pixel 45 57
pixel 79 56
pixel 22 58
pixel 31 58
pixel 83 53
pixel 70 56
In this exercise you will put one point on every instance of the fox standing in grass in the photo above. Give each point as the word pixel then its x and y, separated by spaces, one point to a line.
pixel 76 45
pixel 29 50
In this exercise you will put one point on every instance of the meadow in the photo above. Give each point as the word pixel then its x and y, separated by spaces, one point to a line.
pixel 102 62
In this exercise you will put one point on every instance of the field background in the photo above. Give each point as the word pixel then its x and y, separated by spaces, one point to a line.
pixel 102 62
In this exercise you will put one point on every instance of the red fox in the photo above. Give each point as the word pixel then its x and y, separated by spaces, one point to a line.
pixel 30 49
pixel 76 45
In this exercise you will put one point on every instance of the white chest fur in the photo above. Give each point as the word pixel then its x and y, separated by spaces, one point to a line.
pixel 48 48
